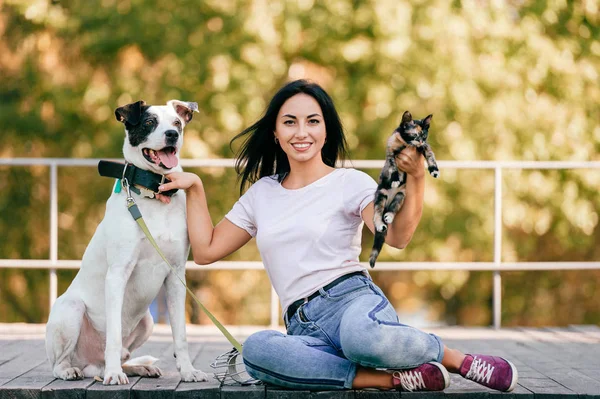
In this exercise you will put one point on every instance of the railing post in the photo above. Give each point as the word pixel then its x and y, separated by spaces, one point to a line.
pixel 274 309
pixel 53 232
pixel 497 290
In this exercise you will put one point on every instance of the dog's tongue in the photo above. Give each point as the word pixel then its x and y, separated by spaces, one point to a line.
pixel 167 158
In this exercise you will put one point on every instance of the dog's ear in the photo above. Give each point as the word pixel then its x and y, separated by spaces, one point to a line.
pixel 184 109
pixel 131 113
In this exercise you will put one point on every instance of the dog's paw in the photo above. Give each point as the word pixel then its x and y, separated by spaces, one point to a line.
pixel 116 377
pixel 193 375
pixel 145 370
pixel 71 373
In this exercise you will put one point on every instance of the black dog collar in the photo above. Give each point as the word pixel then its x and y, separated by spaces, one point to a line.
pixel 134 176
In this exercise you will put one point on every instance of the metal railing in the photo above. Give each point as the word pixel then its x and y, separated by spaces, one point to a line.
pixel 497 266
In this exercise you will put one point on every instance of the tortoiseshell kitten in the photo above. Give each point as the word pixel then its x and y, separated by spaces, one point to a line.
pixel 391 190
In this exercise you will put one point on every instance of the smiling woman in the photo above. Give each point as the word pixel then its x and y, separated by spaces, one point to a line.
pixel 307 218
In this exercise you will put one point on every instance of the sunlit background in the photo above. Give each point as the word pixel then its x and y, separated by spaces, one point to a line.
pixel 505 80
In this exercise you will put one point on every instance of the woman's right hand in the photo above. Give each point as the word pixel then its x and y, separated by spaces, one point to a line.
pixel 179 180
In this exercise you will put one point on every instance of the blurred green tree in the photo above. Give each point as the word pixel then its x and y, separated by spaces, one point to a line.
pixel 505 81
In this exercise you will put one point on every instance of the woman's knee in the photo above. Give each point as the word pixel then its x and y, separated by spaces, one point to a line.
pixel 365 348
pixel 259 346
pixel 389 346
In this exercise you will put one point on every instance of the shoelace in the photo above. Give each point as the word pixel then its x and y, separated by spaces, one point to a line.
pixel 480 371
pixel 410 380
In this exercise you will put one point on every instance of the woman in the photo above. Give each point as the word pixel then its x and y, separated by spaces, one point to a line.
pixel 307 217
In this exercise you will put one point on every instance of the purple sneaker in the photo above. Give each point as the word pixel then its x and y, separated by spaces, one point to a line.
pixel 430 376
pixel 490 371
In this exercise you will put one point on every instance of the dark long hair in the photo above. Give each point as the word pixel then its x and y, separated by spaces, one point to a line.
pixel 259 154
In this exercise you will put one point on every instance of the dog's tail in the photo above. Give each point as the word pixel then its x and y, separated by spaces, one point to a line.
pixel 141 361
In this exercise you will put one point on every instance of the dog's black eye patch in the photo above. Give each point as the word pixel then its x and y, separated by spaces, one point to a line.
pixel 139 133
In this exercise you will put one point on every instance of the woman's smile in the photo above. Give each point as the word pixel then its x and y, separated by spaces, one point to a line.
pixel 301 147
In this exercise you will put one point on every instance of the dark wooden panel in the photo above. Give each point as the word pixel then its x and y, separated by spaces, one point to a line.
pixel 21 346
pixel 280 393
pixel 156 388
pixel 333 395
pixel 546 388
pixel 518 393
pixel 100 391
pixel 372 394
pixel 577 382
pixel 593 373
pixel 463 388
pixel 423 395
pixel 239 392
pixel 29 385
pixel 19 366
pixel 67 389
pixel 210 389
pixel 24 355
pixel 162 387
pixel 552 363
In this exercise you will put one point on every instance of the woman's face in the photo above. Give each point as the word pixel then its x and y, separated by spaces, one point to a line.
pixel 300 128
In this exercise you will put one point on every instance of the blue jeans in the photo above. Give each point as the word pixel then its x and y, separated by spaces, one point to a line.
pixel 349 325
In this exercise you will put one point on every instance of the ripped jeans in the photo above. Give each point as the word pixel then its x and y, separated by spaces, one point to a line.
pixel 349 325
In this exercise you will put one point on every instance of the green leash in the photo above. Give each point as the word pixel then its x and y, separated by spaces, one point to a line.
pixel 137 216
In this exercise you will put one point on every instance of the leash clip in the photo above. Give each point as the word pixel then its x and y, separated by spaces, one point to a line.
pixel 129 200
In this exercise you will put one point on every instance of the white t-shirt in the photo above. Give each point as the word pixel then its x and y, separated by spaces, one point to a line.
pixel 310 236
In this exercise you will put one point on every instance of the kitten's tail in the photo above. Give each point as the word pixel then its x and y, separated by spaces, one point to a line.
pixel 377 245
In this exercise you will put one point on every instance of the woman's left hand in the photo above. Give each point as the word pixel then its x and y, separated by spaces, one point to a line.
pixel 411 161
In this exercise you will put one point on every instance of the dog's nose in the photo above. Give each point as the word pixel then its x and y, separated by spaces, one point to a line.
pixel 171 136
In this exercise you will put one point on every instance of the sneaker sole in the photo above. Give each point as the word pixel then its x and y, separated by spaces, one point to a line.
pixel 445 373
pixel 515 377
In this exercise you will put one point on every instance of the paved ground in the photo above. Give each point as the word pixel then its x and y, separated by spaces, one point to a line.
pixel 552 363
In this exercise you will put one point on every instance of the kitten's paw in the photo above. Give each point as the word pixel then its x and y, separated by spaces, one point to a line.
pixel 434 172
pixel 395 184
pixel 380 227
pixel 388 218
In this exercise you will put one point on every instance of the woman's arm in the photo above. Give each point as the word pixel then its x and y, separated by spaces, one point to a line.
pixel 406 221
pixel 209 243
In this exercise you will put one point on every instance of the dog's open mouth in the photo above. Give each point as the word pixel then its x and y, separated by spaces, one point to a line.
pixel 166 157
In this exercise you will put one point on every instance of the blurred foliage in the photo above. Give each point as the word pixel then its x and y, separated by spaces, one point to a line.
pixel 505 80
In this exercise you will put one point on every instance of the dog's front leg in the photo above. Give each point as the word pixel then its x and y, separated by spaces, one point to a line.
pixel 114 292
pixel 176 304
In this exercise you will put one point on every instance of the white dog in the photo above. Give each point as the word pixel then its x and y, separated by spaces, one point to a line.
pixel 103 315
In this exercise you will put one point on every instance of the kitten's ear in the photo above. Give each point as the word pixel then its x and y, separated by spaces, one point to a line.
pixel 406 117
pixel 426 122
